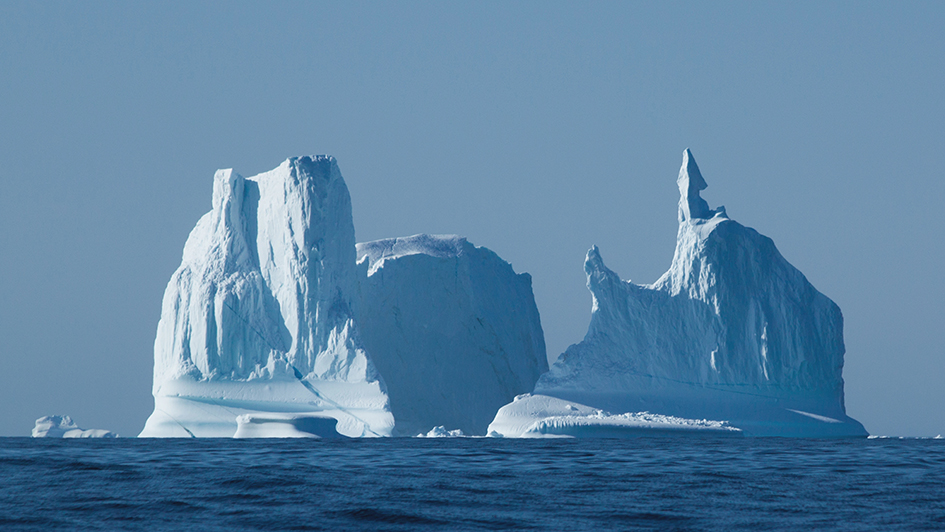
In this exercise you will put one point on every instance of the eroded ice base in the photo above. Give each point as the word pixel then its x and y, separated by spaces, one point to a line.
pixel 673 409
pixel 442 432
pixel 209 409
pixel 542 416
pixel 277 425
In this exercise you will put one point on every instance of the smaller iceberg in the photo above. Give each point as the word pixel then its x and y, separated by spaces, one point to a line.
pixel 64 427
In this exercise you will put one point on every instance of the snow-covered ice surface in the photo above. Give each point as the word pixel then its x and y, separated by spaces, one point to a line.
pixel 731 332
pixel 261 315
pixel 64 427
pixel 452 328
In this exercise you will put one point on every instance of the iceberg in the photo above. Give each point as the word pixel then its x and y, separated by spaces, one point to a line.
pixel 452 328
pixel 731 332
pixel 261 316
pixel 64 427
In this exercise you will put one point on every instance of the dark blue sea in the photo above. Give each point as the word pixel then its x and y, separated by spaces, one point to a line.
pixel 472 484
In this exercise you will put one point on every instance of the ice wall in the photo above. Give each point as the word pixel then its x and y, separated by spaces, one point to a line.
pixel 261 315
pixel 452 328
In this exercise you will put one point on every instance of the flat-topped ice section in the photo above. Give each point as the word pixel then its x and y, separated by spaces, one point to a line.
pixel 452 328
pixel 732 332
pixel 261 315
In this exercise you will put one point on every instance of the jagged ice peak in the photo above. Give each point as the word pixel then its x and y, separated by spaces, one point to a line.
pixel 691 182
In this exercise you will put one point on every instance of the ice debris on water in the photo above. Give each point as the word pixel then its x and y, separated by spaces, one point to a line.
pixel 64 427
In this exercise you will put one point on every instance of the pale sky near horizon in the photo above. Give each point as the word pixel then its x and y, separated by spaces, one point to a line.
pixel 536 129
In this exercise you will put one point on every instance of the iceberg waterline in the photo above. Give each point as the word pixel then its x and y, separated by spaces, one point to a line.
pixel 277 325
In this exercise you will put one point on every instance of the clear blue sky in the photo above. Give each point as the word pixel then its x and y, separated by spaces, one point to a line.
pixel 533 128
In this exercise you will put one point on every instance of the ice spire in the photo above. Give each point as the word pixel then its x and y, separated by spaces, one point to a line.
pixel 690 182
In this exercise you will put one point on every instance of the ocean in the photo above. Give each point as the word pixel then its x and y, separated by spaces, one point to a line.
pixel 473 484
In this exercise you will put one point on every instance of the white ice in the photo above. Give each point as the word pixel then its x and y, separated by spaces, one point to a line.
pixel 64 427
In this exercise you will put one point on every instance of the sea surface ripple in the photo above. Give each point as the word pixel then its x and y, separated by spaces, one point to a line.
pixel 473 484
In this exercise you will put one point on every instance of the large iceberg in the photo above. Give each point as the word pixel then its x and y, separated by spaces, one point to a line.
pixel 260 319
pixel 732 332
pixel 271 328
pixel 452 328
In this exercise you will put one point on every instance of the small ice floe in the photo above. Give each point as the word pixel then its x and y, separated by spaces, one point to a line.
pixel 64 427
pixel 441 432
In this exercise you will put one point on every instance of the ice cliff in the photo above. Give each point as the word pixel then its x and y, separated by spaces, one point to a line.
pixel 261 315
pixel 452 328
pixel 731 332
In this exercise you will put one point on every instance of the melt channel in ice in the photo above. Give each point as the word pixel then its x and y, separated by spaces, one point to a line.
pixel 452 328
pixel 731 332
pixel 258 326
